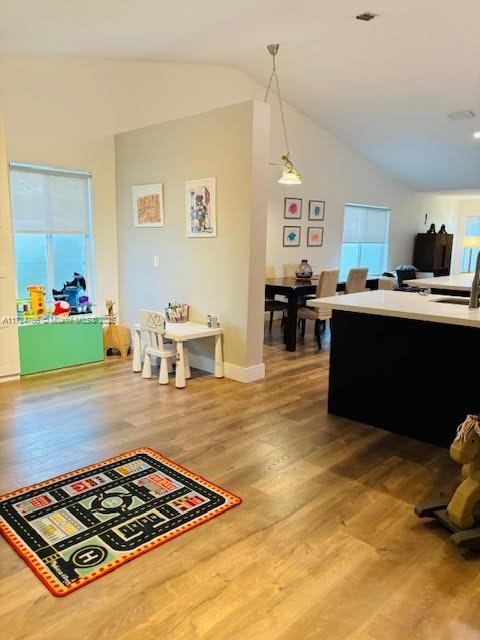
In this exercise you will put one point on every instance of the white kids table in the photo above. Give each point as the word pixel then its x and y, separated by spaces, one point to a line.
pixel 180 332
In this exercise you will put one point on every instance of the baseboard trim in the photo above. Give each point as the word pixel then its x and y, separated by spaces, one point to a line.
pixel 9 378
pixel 232 371
pixel 244 374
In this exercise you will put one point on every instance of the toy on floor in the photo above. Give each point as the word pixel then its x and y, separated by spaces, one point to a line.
pixel 37 300
pixel 74 292
pixel 115 336
pixel 462 515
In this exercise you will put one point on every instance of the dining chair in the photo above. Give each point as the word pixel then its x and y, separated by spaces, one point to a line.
pixel 152 324
pixel 387 284
pixel 327 286
pixel 406 274
pixel 289 270
pixel 356 280
pixel 270 271
pixel 271 304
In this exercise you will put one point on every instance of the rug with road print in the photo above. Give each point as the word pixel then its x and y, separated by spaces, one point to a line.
pixel 77 527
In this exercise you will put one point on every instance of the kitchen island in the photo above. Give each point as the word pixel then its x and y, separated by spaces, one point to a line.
pixel 459 284
pixel 404 362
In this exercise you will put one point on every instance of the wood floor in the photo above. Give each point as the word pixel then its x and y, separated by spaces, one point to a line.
pixel 325 545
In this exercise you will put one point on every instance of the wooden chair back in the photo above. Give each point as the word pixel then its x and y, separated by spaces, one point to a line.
pixel 356 280
pixel 153 325
pixel 327 283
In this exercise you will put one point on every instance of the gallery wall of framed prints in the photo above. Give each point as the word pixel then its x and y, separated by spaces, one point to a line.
pixel 292 210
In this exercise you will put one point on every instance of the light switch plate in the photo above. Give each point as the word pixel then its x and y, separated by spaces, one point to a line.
pixel 156 261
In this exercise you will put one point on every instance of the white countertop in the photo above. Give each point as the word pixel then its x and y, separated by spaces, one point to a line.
pixel 401 305
pixel 455 281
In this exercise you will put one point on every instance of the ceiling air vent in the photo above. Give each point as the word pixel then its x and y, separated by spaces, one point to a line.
pixel 366 16
pixel 467 114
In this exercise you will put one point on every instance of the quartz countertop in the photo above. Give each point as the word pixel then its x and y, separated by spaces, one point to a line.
pixel 455 281
pixel 400 304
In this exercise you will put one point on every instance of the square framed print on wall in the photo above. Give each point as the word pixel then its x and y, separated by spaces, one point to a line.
pixel 147 201
pixel 314 236
pixel 292 209
pixel 316 210
pixel 291 236
pixel 200 209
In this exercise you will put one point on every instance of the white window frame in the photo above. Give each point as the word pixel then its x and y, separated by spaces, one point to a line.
pixel 89 243
pixel 386 255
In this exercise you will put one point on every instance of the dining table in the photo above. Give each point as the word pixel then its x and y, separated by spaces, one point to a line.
pixel 295 290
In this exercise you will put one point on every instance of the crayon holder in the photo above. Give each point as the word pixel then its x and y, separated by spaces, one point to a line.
pixel 177 313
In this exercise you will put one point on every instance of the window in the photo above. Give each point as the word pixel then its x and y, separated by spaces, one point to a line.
pixel 52 222
pixel 469 257
pixel 365 239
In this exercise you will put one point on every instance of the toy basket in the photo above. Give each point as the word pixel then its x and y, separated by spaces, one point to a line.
pixel 177 313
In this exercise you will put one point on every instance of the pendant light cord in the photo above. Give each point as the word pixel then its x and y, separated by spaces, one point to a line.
pixel 282 115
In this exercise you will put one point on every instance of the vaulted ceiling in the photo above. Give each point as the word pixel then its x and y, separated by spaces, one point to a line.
pixel 385 86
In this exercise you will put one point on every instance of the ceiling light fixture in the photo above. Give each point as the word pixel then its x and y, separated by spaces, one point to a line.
pixel 289 174
pixel 476 135
pixel 367 16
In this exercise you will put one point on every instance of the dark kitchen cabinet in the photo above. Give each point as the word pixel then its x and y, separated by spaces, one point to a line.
pixel 433 252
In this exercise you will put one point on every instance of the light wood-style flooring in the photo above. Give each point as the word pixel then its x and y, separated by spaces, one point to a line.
pixel 325 545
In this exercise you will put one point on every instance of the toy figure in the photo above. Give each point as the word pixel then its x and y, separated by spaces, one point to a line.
pixel 465 450
pixel 461 515
pixel 61 308
pixel 37 300
pixel 72 293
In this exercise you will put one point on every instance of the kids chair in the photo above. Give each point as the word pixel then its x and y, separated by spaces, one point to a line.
pixel 153 324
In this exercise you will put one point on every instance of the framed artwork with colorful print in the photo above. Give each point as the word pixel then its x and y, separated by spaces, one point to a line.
pixel 291 236
pixel 315 236
pixel 316 210
pixel 292 209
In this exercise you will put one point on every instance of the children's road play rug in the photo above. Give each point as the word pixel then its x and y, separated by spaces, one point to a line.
pixel 75 528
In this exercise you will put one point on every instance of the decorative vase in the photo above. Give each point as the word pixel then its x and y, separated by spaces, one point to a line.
pixel 304 271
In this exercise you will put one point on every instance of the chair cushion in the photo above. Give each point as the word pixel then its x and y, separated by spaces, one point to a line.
pixel 307 313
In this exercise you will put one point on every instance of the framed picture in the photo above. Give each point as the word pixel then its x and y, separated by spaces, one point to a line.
pixel 291 236
pixel 314 236
pixel 147 201
pixel 292 208
pixel 316 210
pixel 200 212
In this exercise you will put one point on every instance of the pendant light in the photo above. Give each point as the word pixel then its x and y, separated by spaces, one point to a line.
pixel 289 174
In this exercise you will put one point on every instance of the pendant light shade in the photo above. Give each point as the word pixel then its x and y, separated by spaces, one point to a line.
pixel 290 174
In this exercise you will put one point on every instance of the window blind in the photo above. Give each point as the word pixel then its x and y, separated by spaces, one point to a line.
pixel 49 201
pixel 365 225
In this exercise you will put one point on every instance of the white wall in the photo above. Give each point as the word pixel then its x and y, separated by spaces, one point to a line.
pixel 333 172
pixel 214 275
pixel 65 111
